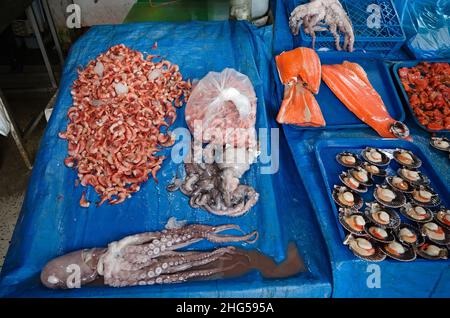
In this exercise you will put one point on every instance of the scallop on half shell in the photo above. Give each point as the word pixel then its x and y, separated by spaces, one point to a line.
pixel 352 220
pixel 347 198
pixel 409 235
pixel 440 143
pixel 382 216
pixel 375 156
pixel 399 184
pixel 431 251
pixel 416 213
pixel 348 159
pixel 407 158
pixel 436 233
pixel 425 196
pixel 373 169
pixel 364 248
pixel 398 251
pixel 362 176
pixel 352 183
pixel 443 218
pixel 414 177
pixel 389 197
pixel 378 233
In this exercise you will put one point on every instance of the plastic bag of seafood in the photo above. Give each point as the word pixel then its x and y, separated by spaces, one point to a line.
pixel 222 107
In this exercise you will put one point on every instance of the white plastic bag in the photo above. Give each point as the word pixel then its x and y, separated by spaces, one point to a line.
pixel 5 126
pixel 222 106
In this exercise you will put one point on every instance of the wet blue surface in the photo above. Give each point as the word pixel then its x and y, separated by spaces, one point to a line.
pixel 52 223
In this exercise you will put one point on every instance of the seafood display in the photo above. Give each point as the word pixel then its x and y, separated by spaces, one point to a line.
pixel 380 230
pixel 149 258
pixel 427 86
pixel 221 112
pixel 215 186
pixel 321 15
pixel 123 105
pixel 299 70
pixel 349 82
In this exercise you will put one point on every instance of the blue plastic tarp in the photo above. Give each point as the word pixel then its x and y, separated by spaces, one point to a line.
pixel 52 223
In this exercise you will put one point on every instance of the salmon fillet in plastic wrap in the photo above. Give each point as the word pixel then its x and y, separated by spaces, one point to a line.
pixel 223 107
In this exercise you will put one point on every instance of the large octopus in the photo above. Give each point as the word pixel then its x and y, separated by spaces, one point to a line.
pixel 316 15
pixel 147 258
pixel 214 184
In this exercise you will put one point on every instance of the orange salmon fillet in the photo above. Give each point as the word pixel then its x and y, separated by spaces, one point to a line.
pixel 350 84
pixel 299 107
pixel 301 62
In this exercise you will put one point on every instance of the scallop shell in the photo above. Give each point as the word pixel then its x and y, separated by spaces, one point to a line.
pixel 373 207
pixel 378 256
pixel 443 242
pixel 438 218
pixel 412 228
pixel 384 158
pixel 381 173
pixel 422 181
pixel 368 183
pixel 435 200
pixel 416 161
pixel 389 181
pixel 346 153
pixel 434 140
pixel 404 210
pixel 399 201
pixel 358 203
pixel 361 189
pixel 442 255
pixel 389 238
pixel 408 256
pixel 349 212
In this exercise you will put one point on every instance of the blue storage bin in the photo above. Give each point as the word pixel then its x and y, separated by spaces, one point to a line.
pixel 383 41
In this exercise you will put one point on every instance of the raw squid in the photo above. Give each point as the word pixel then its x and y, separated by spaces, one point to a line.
pixel 300 72
pixel 350 84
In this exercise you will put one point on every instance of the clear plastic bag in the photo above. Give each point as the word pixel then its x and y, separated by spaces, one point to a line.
pixel 427 27
pixel 4 124
pixel 222 107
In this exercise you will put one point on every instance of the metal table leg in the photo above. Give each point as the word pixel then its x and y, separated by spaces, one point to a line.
pixel 15 132
pixel 36 121
pixel 51 25
pixel 37 33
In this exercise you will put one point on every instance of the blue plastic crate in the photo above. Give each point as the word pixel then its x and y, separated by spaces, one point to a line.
pixel 383 41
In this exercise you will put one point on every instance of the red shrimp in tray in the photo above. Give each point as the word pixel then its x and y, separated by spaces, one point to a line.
pixel 123 105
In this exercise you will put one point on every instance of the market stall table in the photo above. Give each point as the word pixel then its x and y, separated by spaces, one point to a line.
pixel 52 223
